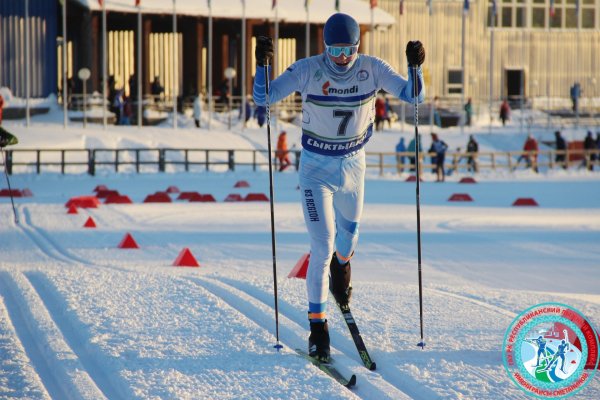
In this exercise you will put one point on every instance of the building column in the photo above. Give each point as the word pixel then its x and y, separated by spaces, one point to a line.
pixel 146 78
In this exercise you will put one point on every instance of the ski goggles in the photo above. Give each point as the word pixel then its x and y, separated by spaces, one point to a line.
pixel 336 51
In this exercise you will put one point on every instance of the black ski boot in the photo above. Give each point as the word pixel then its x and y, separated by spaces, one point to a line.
pixel 339 281
pixel 318 341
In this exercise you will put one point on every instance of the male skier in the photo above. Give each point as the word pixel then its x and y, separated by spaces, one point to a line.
pixel 338 89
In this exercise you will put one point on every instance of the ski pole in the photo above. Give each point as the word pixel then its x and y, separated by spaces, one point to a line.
pixel 12 201
pixel 278 346
pixel 421 344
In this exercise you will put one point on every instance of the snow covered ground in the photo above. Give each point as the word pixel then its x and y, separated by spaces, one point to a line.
pixel 83 319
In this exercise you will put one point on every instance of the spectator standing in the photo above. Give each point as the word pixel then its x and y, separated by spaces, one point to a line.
pixel 197 109
pixel 400 158
pixel 468 112
pixel 388 112
pixel 472 149
pixel 118 107
pixel 411 150
pixel 156 89
pixel 1 107
pixel 590 146
pixel 561 148
pixel 260 113
pixel 575 94
pixel 282 151
pixel 439 147
pixel 530 149
pixel 379 113
pixel 504 112
pixel 437 119
pixel 127 111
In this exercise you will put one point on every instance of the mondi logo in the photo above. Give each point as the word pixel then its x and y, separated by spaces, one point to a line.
pixel 327 89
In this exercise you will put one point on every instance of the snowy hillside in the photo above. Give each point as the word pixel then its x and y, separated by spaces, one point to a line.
pixel 81 318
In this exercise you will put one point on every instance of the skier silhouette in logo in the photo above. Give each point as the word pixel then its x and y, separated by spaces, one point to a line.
pixel 541 343
pixel 560 353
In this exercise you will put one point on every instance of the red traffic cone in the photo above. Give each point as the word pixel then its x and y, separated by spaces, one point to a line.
pixel 128 242
pixel 186 259
pixel 72 209
pixel 90 223
pixel 299 270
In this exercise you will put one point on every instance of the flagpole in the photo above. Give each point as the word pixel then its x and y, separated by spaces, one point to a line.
pixel 462 62
pixel 274 112
pixel 175 64
pixel 432 38
pixel 522 79
pixel 577 64
pixel 27 64
pixel 139 67
pixel 307 39
pixel 104 66
pixel 492 29
pixel 372 35
pixel 209 62
pixel 243 65
pixel 64 58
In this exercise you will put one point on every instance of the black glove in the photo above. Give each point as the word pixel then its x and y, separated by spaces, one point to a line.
pixel 264 50
pixel 415 53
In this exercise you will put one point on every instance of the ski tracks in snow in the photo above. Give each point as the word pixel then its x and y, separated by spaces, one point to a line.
pixel 254 305
pixel 57 354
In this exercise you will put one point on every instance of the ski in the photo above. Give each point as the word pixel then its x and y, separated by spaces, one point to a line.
pixel 358 341
pixel 329 369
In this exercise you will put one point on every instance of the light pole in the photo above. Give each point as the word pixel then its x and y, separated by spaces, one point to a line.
pixel 230 73
pixel 84 74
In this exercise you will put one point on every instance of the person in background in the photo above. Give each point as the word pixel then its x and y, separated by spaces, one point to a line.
pixel 530 153
pixel 561 148
pixel 388 112
pixel 282 153
pixel 156 89
pixel 504 112
pixel 400 158
pixel 472 149
pixel 118 104
pixel 1 107
pixel 379 113
pixel 198 109
pixel 590 147
pixel 248 108
pixel 260 113
pixel 335 128
pixel 411 150
pixel 437 119
pixel 575 94
pixel 127 111
pixel 439 147
pixel 468 112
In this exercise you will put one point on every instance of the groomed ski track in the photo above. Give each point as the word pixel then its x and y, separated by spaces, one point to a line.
pixel 68 366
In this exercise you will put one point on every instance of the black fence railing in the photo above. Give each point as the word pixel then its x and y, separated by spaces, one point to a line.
pixel 141 160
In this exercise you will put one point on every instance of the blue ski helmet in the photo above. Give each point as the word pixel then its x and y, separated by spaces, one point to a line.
pixel 341 28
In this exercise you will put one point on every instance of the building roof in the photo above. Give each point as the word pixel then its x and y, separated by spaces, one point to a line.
pixel 291 11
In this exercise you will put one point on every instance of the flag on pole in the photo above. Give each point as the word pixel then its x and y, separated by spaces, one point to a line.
pixel 429 6
pixel 466 6
pixel 306 4
pixel 337 5
pixel 373 3
pixel 137 3
pixel 552 10
pixel 401 7
pixel 274 4
pixel 100 2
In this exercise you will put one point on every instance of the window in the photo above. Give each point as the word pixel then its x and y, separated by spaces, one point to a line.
pixel 454 81
pixel 536 14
